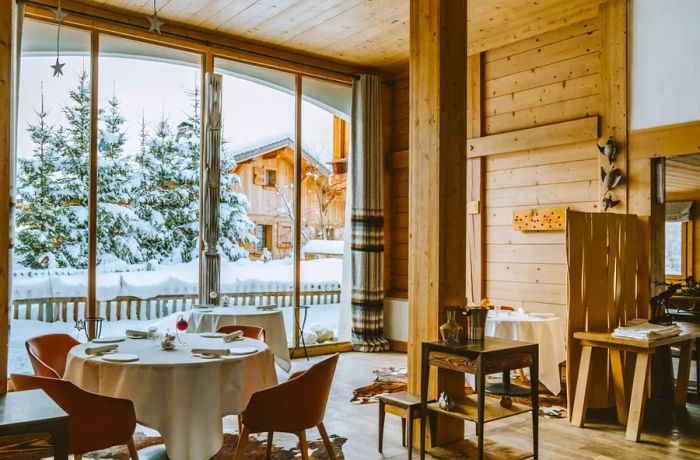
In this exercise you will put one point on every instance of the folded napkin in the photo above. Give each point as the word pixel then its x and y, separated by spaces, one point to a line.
pixel 233 336
pixel 91 351
pixel 211 351
pixel 647 331
pixel 135 333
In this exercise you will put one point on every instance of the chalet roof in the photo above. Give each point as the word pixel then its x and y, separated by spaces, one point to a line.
pixel 268 146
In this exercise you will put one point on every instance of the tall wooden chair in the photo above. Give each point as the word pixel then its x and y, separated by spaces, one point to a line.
pixel 291 407
pixel 48 354
pixel 94 421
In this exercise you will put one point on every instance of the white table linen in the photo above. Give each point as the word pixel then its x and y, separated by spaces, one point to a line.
pixel 182 396
pixel 547 332
pixel 270 320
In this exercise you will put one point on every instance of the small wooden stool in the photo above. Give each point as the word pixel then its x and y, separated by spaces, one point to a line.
pixel 404 405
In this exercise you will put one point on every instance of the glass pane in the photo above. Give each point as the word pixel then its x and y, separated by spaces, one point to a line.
pixel 326 148
pixel 257 203
pixel 674 248
pixel 49 285
pixel 148 182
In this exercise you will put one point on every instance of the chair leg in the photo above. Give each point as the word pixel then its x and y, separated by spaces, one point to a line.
pixel 410 433
pixel 326 441
pixel 381 426
pixel 270 434
pixel 133 453
pixel 303 447
pixel 403 432
pixel 242 441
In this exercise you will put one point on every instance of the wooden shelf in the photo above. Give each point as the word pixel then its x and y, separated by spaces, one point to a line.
pixel 467 409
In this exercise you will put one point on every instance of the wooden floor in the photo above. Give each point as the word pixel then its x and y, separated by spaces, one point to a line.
pixel 670 435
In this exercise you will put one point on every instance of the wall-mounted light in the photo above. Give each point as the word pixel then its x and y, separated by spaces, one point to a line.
pixel 661 181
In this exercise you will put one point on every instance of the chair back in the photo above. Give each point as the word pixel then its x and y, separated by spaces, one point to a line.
pixel 295 405
pixel 251 332
pixel 94 421
pixel 48 353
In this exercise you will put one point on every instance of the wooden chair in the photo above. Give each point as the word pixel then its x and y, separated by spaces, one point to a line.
pixel 251 332
pixel 406 406
pixel 94 421
pixel 48 354
pixel 291 407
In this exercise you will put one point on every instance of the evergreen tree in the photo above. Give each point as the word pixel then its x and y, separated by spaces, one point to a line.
pixel 41 222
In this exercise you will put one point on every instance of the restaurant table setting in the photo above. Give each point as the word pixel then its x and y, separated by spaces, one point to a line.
pixel 208 319
pixel 545 329
pixel 182 392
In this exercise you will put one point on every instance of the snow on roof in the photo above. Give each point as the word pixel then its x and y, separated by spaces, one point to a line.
pixel 335 247
pixel 270 145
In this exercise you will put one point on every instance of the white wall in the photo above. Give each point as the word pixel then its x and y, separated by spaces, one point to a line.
pixel 396 319
pixel 664 62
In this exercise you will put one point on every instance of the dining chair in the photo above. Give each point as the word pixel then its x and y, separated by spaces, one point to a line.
pixel 48 354
pixel 251 332
pixel 291 407
pixel 94 421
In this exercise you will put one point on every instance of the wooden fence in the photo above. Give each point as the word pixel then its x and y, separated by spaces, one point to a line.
pixel 128 307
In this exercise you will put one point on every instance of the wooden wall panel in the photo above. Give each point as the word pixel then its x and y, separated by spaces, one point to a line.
pixel 397 195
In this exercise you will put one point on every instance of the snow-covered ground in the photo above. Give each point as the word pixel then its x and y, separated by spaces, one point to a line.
pixel 240 276
pixel 21 330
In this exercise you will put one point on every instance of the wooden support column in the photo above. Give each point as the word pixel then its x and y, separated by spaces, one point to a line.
pixel 7 106
pixel 613 92
pixel 437 184
pixel 92 190
pixel 476 275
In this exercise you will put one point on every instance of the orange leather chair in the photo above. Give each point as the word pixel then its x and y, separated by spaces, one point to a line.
pixel 94 421
pixel 252 332
pixel 291 407
pixel 48 353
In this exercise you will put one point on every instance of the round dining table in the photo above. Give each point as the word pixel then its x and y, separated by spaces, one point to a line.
pixel 272 320
pixel 181 395
pixel 545 330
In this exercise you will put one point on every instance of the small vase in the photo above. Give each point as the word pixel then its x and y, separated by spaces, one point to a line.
pixel 451 331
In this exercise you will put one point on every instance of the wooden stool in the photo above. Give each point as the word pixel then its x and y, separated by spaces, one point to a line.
pixel 404 405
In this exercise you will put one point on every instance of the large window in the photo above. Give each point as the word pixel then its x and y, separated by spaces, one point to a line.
pixel 50 267
pixel 148 179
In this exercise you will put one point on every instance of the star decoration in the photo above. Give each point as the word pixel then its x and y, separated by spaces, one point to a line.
pixel 57 68
pixel 155 22
pixel 59 14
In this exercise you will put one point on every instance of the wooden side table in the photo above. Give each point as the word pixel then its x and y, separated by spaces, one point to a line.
pixel 489 356
pixel 25 416
pixel 631 411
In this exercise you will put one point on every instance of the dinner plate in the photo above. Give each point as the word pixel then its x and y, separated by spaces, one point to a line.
pixel 204 310
pixel 207 356
pixel 243 350
pixel 108 339
pixel 121 357
pixel 212 335
pixel 136 336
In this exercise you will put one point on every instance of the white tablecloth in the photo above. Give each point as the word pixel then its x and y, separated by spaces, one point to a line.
pixel 270 320
pixel 182 396
pixel 547 332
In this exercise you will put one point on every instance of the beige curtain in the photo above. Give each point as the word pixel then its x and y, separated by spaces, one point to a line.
pixel 367 220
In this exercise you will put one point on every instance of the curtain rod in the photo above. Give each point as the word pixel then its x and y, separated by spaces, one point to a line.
pixel 190 39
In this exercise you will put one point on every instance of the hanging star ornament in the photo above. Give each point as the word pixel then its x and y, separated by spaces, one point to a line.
pixel 58 14
pixel 154 20
pixel 57 68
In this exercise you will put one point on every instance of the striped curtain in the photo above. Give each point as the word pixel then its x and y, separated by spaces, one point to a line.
pixel 367 238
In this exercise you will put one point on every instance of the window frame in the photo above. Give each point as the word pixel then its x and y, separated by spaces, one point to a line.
pixel 687 237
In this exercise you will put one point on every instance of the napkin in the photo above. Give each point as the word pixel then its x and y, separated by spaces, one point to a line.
pixel 211 351
pixel 90 351
pixel 135 333
pixel 233 336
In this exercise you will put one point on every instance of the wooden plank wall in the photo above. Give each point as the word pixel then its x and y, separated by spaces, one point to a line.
pixel 397 164
pixel 551 78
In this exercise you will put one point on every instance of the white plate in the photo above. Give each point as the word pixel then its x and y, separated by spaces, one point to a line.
pixel 205 356
pixel 135 337
pixel 108 339
pixel 212 335
pixel 121 357
pixel 204 310
pixel 243 350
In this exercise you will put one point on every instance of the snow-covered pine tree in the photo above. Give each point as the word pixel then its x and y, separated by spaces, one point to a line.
pixel 118 226
pixel 41 222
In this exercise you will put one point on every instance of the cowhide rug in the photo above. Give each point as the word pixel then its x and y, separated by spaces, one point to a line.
pixel 256 448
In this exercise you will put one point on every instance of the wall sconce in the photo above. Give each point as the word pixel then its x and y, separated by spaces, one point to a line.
pixel 661 181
